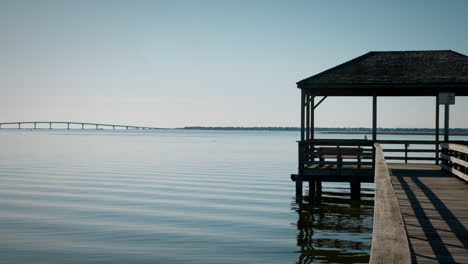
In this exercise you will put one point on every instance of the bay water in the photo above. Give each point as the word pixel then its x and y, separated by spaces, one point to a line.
pixel 170 196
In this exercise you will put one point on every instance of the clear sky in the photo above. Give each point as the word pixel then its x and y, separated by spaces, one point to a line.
pixel 210 63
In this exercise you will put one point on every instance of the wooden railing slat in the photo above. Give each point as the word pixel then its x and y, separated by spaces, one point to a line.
pixel 455 160
pixel 409 150
pixel 389 238
pixel 456 147
pixel 455 172
pixel 408 158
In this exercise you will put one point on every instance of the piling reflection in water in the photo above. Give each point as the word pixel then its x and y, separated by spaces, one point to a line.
pixel 334 229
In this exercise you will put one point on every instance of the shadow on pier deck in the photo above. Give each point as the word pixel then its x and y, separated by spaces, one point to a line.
pixel 420 211
pixel 434 209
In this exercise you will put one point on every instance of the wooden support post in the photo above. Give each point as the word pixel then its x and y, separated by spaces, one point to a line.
pixel 113 127
pixel 82 126
pixel 19 125
pixel 318 188
pixel 312 117
pixel 35 125
pixel 299 187
pixel 50 125
pixel 300 157
pixel 355 185
pixel 68 125
pixel 312 127
pixel 311 188
pixel 437 131
pixel 302 114
pixel 446 125
pixel 307 116
pixel 374 139
pixel 374 118
pixel 96 126
pixel 406 153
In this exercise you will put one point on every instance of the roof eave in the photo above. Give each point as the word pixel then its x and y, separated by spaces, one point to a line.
pixel 385 89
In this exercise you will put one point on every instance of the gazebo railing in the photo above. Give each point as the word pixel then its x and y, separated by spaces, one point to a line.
pixel 335 153
pixel 338 153
pixel 410 150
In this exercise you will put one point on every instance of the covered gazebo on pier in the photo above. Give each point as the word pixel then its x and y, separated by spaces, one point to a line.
pixel 438 74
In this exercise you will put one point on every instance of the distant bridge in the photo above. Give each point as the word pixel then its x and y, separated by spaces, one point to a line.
pixel 67 125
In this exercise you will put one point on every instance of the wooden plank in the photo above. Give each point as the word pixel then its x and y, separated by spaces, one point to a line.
pixel 362 155
pixel 409 150
pixel 389 239
pixel 408 158
pixel 415 142
pixel 334 178
pixel 344 142
pixel 344 163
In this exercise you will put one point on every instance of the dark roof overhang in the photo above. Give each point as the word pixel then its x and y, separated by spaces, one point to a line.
pixel 394 73
pixel 395 89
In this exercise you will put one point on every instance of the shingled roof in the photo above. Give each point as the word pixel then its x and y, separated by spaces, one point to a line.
pixel 394 73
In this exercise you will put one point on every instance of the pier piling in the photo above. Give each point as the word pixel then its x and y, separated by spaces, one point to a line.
pixel 298 187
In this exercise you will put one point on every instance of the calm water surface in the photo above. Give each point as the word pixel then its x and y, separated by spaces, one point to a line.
pixel 169 197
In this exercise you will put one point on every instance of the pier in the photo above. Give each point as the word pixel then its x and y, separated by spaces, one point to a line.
pixel 68 125
pixel 420 211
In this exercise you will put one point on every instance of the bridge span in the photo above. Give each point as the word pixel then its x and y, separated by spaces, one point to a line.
pixel 68 125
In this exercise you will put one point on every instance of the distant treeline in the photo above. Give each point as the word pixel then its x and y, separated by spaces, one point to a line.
pixel 334 129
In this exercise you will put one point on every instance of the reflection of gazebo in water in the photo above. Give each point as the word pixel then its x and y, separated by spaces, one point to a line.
pixel 439 74
pixel 349 221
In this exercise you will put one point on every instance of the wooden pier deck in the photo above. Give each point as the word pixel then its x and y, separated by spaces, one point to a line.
pixel 434 207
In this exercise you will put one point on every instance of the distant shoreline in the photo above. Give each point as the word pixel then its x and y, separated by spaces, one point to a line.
pixel 393 133
pixel 342 130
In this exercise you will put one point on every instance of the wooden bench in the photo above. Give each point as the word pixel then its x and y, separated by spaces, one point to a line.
pixel 339 154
